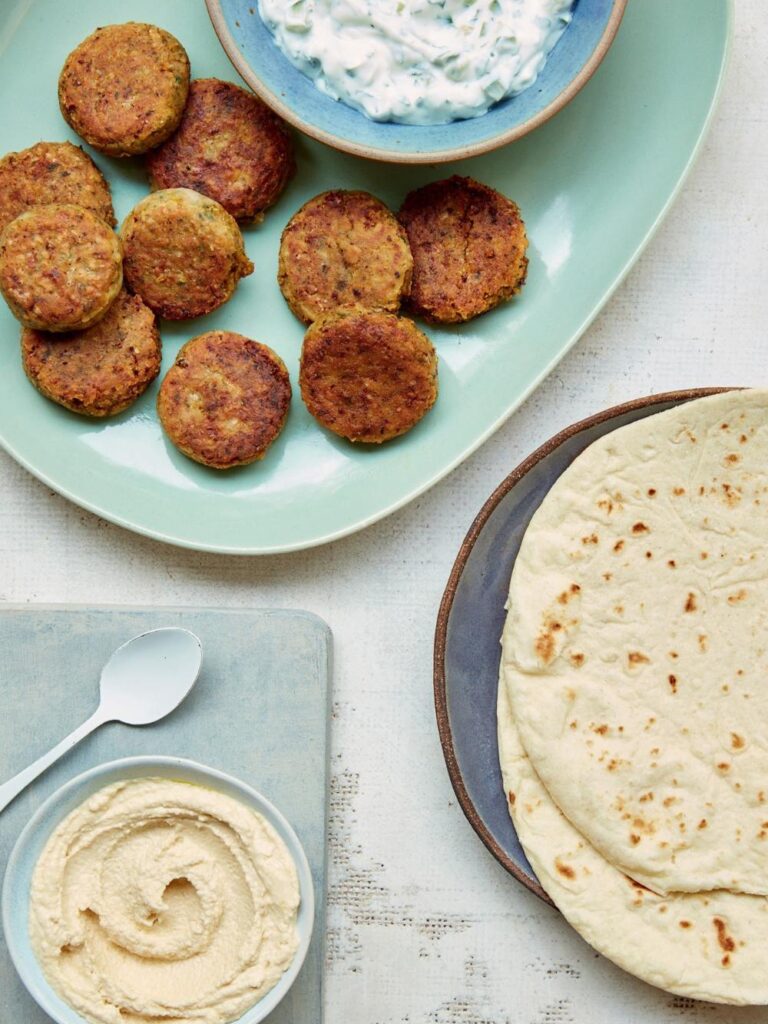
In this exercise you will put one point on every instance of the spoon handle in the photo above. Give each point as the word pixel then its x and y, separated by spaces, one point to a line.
pixel 11 789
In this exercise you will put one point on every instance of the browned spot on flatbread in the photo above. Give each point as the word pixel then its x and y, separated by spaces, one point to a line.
pixel 690 602
pixel 591 538
pixel 678 491
pixel 684 924
pixel 732 458
pixel 725 941
pixel 618 546
pixel 634 838
pixel 651 492
pixel 738 597
pixel 702 824
pixel 512 798
pixel 637 658
pixel 576 659
pixel 545 647
pixel 723 766
pixel 672 679
pixel 731 495
pixel 639 528
pixel 737 742
pixel 564 869
pixel 671 563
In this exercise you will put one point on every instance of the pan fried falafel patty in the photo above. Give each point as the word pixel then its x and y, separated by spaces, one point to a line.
pixel 123 89
pixel 225 399
pixel 367 376
pixel 468 243
pixel 60 267
pixel 52 172
pixel 99 371
pixel 184 253
pixel 343 249
pixel 230 146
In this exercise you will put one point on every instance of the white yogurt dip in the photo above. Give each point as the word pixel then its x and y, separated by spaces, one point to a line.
pixel 418 61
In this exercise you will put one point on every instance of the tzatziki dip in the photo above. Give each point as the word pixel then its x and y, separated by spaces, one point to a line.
pixel 418 61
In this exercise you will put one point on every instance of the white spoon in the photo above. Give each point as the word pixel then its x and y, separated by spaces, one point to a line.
pixel 142 682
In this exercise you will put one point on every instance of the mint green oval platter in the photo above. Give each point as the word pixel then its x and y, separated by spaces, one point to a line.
pixel 592 184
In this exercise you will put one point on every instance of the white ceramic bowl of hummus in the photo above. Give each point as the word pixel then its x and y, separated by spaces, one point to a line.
pixel 168 896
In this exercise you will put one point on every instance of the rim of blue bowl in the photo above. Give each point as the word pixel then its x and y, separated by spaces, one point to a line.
pixel 247 73
pixel 44 997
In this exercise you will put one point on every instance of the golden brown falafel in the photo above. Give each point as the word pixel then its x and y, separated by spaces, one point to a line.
pixel 230 146
pixel 99 371
pixel 468 243
pixel 123 89
pixel 184 253
pixel 52 172
pixel 343 249
pixel 225 399
pixel 367 375
pixel 60 267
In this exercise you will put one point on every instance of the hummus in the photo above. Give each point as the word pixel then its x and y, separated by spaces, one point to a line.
pixel 161 900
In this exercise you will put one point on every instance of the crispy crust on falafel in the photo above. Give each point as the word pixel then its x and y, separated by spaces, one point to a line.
pixel 343 249
pixel 230 146
pixel 184 254
pixel 225 399
pixel 123 89
pixel 60 267
pixel 52 172
pixel 367 375
pixel 468 243
pixel 99 371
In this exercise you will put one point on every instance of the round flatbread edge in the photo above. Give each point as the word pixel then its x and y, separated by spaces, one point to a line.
pixel 708 946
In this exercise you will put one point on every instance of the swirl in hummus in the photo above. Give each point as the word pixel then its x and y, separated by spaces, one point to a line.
pixel 158 900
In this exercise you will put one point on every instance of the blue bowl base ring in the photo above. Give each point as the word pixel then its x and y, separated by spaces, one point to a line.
pixel 252 49
pixel 471 618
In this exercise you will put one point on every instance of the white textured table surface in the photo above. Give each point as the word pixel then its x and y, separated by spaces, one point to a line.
pixel 425 928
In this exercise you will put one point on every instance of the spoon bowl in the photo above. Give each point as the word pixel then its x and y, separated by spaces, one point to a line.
pixel 150 675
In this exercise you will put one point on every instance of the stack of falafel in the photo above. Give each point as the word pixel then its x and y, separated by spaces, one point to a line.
pixel 88 299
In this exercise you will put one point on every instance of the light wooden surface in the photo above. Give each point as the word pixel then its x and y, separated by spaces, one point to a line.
pixel 425 928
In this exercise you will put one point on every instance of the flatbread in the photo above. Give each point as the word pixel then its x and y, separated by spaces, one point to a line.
pixel 636 645
pixel 710 946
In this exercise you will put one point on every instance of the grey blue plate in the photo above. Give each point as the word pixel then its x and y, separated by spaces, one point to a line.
pixel 471 617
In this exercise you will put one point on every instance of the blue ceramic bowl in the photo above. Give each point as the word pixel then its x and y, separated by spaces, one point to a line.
pixel 29 846
pixel 253 51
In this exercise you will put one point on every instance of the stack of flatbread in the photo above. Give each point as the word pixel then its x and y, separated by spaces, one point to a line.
pixel 633 699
